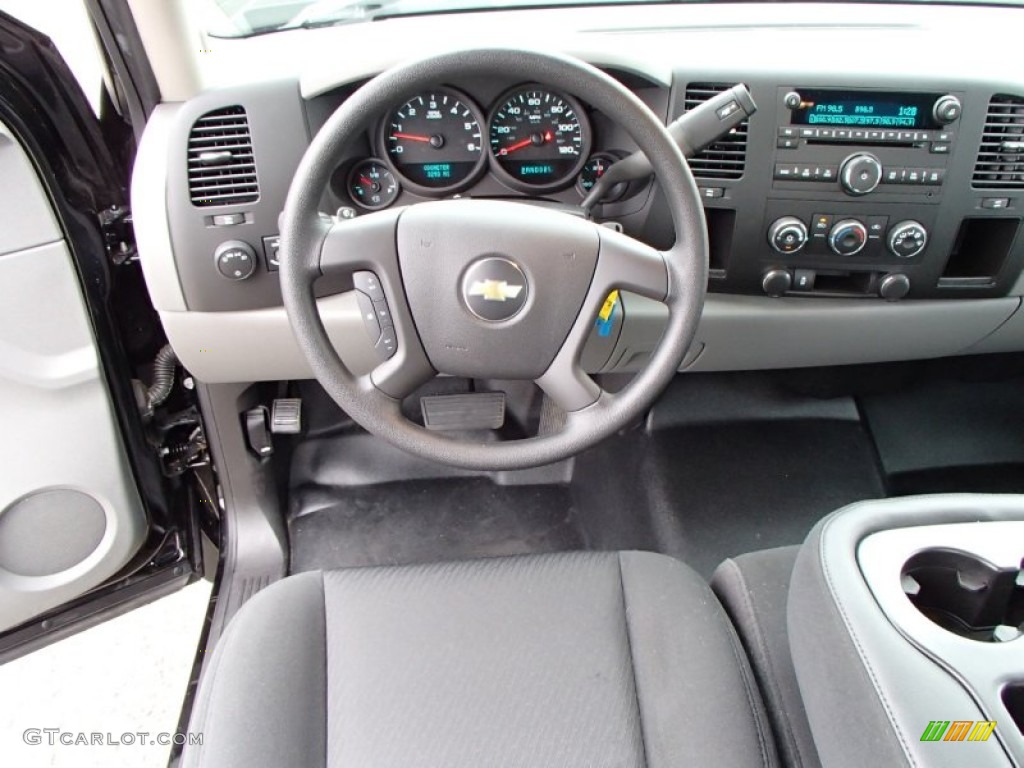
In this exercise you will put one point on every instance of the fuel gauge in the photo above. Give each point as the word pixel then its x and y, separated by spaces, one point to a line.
pixel 595 168
pixel 372 186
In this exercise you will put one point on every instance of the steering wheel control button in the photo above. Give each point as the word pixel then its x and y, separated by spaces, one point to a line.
pixel 367 282
pixel 235 260
pixel 907 239
pixel 369 314
pixel 387 345
pixel 383 311
pixel 848 237
pixel 788 235
pixel 494 289
pixel 860 174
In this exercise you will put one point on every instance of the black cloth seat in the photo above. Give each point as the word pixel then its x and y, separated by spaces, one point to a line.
pixel 754 589
pixel 584 659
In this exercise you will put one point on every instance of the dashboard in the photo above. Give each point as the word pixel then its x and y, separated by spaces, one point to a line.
pixel 865 212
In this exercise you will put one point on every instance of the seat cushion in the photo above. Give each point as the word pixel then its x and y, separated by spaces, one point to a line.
pixel 754 589
pixel 584 659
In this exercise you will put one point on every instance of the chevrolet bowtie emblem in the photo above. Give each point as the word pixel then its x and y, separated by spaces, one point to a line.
pixel 495 290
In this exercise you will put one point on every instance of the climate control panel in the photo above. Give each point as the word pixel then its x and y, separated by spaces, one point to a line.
pixel 848 235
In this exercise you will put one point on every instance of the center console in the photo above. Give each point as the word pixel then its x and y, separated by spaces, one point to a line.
pixel 906 620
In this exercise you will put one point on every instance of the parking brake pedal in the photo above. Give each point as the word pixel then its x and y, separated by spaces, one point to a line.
pixel 286 416
pixel 479 410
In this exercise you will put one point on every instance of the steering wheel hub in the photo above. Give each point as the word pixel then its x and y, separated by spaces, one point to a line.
pixel 495 289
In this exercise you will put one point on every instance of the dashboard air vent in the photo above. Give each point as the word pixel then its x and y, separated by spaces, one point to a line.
pixel 1001 155
pixel 726 158
pixel 221 166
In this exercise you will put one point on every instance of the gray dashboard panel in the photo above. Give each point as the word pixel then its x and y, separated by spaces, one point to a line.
pixel 666 45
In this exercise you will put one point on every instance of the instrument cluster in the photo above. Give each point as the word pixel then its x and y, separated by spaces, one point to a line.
pixel 533 139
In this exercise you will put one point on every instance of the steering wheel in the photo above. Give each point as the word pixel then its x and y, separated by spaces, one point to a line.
pixel 487 288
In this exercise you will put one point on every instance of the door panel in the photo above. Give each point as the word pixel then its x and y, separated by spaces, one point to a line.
pixel 70 514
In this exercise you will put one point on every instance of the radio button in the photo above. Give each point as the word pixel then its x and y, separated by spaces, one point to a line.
pixel 858 135
pixel 933 176
pixel 944 136
pixel 788 132
pixel 826 133
pixel 808 133
pixel 947 109
pixel 940 148
pixel 786 171
pixel 860 174
pixel 907 135
pixel 891 136
pixel 874 136
pixel 893 175
pixel 843 134
pixel 922 136
pixel 787 143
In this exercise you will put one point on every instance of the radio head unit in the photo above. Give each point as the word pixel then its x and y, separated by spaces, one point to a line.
pixel 865 109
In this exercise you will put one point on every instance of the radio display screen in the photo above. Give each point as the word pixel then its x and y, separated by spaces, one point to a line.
pixel 864 109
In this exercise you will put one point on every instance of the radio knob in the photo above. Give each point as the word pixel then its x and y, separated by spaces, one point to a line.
pixel 776 282
pixel 860 174
pixel 947 110
pixel 792 100
pixel 848 237
pixel 787 235
pixel 894 286
pixel 907 239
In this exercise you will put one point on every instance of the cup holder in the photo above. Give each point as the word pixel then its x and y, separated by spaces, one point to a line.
pixel 966 595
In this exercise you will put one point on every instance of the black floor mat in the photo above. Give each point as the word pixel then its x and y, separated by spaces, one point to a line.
pixel 431 520
pixel 719 490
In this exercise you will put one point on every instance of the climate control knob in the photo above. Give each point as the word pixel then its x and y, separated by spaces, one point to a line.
pixel 848 237
pixel 907 239
pixel 787 235
pixel 860 174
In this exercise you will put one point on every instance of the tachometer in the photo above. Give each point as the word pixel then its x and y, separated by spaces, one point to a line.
pixel 435 141
pixel 539 139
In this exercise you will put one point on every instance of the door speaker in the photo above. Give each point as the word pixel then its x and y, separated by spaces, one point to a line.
pixel 50 531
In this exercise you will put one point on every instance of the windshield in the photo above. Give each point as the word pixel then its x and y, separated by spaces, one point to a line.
pixel 241 18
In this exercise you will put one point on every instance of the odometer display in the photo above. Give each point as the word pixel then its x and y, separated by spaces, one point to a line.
pixel 539 139
pixel 435 141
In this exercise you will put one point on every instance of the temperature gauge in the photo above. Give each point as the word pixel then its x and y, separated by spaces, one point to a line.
pixel 595 168
pixel 372 186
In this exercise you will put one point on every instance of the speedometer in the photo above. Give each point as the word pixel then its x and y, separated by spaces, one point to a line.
pixel 539 139
pixel 435 141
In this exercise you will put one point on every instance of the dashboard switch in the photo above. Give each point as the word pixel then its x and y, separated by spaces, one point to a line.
pixel 803 279
pixel 776 282
pixel 235 260
pixel 894 287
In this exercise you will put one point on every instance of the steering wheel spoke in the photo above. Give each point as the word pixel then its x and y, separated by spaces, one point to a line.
pixel 363 244
pixel 628 264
